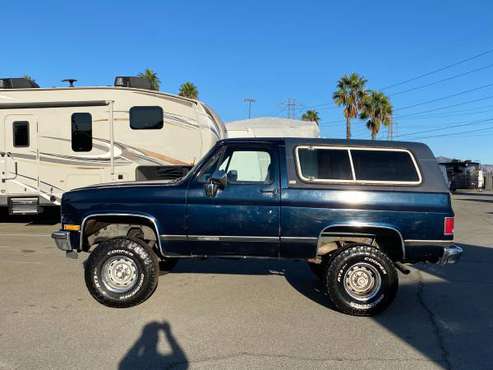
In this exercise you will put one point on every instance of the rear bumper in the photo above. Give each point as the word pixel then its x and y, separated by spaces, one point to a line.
pixel 440 252
pixel 451 254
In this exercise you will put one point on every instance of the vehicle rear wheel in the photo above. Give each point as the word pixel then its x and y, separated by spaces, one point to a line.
pixel 361 280
pixel 122 272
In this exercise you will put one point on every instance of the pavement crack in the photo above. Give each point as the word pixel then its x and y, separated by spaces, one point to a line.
pixel 174 365
pixel 434 322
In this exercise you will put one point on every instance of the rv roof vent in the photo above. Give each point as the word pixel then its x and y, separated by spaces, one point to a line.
pixel 17 83
pixel 70 81
pixel 129 81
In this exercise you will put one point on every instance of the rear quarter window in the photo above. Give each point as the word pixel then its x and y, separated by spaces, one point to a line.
pixel 387 166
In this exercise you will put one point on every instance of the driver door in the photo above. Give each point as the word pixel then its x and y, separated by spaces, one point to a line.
pixel 242 217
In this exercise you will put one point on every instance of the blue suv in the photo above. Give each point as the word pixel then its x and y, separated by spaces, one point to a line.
pixel 354 211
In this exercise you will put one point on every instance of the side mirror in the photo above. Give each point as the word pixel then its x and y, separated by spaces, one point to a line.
pixel 217 181
pixel 219 178
pixel 232 176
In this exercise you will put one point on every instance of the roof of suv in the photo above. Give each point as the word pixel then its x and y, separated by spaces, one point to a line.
pixel 418 149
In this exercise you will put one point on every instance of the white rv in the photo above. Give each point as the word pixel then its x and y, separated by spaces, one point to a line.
pixel 272 127
pixel 53 140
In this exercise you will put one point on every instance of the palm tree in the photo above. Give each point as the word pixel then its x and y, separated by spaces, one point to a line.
pixel 29 78
pixel 189 90
pixel 377 110
pixel 350 93
pixel 311 115
pixel 152 77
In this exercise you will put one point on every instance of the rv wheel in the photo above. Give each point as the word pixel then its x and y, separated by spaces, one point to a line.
pixel 122 272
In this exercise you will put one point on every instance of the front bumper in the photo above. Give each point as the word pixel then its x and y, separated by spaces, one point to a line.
pixel 440 252
pixel 62 241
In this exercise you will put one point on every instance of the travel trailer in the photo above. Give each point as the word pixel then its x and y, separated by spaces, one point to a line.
pixel 56 139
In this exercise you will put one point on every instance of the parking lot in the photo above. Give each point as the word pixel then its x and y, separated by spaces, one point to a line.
pixel 243 314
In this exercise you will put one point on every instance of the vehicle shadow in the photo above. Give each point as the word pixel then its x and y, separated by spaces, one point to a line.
pixel 145 354
pixel 49 216
pixel 444 312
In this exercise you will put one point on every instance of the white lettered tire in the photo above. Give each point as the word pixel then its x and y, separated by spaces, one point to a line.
pixel 122 272
pixel 361 280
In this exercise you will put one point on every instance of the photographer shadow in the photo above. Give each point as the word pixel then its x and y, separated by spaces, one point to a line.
pixel 145 354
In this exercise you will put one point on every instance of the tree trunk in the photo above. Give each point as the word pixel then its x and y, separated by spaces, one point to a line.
pixel 373 135
pixel 348 129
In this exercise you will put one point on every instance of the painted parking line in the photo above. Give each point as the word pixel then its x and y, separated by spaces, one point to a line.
pixel 25 235
pixel 21 262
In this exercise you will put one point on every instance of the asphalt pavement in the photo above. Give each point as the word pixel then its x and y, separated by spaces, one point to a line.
pixel 255 314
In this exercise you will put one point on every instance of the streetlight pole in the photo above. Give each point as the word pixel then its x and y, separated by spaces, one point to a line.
pixel 249 101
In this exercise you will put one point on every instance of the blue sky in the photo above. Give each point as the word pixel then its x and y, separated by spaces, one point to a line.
pixel 275 50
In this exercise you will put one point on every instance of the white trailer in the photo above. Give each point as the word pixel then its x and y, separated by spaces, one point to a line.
pixel 272 127
pixel 57 139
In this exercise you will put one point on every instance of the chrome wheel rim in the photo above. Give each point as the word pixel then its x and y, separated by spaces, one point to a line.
pixel 362 281
pixel 119 274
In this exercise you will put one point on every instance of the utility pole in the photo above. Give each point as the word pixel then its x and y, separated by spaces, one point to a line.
pixel 249 101
pixel 291 107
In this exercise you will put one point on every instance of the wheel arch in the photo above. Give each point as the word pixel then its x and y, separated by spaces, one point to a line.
pixel 113 217
pixel 388 238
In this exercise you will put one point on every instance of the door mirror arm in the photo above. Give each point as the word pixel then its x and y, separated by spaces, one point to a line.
pixel 217 181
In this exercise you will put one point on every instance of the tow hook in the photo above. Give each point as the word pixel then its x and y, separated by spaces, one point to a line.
pixel 399 266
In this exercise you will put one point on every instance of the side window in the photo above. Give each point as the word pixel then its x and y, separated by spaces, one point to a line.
pixel 146 118
pixel 21 134
pixel 81 132
pixel 248 166
pixel 388 166
pixel 324 164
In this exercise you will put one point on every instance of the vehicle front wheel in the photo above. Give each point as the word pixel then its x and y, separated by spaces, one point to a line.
pixel 361 280
pixel 122 272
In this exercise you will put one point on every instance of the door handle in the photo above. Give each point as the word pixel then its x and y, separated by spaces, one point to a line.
pixel 272 191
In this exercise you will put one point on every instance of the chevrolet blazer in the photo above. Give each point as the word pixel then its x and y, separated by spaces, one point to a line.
pixel 356 212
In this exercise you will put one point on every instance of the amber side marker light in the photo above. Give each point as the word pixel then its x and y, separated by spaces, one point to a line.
pixel 448 226
pixel 70 227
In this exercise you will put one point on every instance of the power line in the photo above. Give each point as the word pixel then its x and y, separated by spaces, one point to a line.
pixel 444 107
pixel 458 124
pixel 461 112
pixel 442 80
pixel 291 105
pixel 426 74
pixel 438 70
pixel 445 97
pixel 454 133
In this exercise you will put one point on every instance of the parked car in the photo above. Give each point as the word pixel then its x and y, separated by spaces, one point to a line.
pixel 355 212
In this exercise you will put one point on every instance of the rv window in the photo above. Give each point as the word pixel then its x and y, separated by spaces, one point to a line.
pixel 146 118
pixel 81 132
pixel 21 134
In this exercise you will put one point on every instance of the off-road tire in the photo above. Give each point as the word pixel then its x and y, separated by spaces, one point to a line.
pixel 339 267
pixel 146 273
pixel 167 264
